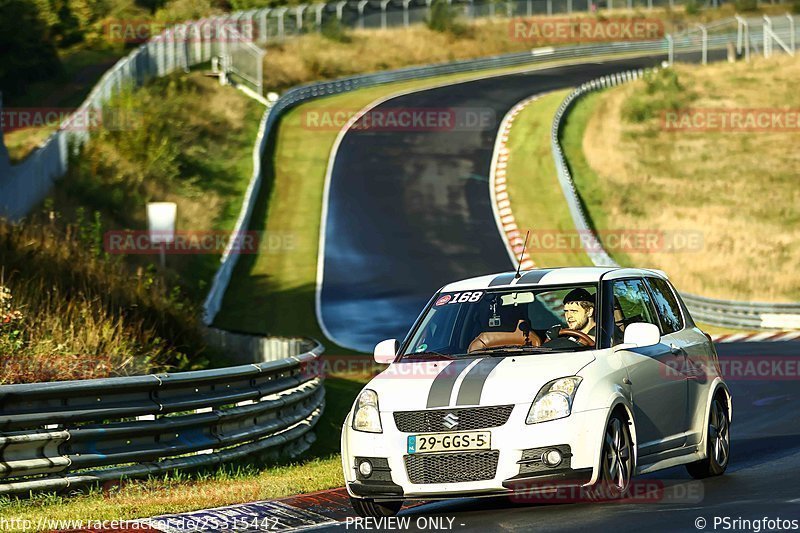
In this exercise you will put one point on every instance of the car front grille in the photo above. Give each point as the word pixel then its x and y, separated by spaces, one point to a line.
pixel 467 419
pixel 451 467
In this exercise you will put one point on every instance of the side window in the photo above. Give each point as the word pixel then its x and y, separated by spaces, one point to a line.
pixel 666 305
pixel 631 304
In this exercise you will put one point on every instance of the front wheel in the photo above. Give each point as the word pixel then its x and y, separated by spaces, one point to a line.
pixel 616 462
pixel 718 444
pixel 365 507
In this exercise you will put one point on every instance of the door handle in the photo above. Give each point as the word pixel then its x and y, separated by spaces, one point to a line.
pixel 675 350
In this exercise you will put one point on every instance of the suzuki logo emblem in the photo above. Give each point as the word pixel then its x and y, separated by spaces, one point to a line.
pixel 450 421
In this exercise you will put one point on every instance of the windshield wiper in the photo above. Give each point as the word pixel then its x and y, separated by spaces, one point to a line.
pixel 427 355
pixel 512 348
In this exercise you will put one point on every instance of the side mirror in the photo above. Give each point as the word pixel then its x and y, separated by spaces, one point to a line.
pixel 641 334
pixel 386 351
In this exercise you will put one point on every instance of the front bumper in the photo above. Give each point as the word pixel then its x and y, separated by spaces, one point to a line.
pixel 578 436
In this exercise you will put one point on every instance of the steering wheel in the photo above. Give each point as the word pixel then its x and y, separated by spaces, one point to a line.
pixel 582 337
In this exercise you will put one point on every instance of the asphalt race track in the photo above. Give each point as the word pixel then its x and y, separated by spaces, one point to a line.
pixel 761 481
pixel 409 211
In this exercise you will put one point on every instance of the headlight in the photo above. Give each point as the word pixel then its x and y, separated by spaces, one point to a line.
pixel 554 400
pixel 366 416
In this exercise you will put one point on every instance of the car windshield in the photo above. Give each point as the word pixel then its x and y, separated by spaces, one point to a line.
pixel 503 322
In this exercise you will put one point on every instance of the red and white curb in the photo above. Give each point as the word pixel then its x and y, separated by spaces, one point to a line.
pixel 501 203
pixel 763 336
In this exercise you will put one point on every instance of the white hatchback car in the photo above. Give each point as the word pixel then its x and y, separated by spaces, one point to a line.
pixel 578 377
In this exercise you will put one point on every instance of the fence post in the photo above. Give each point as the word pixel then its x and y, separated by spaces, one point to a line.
pixel 791 32
pixel 361 5
pixel 670 49
pixel 704 32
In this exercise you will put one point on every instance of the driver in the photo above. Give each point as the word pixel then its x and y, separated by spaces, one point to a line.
pixel 578 314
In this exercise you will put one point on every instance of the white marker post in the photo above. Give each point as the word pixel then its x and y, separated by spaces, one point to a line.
pixel 161 225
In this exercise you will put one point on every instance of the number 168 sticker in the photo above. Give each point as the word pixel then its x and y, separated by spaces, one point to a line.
pixel 460 298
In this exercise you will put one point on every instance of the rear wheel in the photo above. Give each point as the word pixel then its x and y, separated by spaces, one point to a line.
pixel 616 462
pixel 718 444
pixel 370 508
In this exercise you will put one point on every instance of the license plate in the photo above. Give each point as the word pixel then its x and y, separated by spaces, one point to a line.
pixel 447 442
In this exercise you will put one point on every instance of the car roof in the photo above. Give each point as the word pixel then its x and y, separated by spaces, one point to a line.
pixel 548 276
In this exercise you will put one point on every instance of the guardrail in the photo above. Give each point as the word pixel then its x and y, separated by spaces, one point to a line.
pixel 62 434
pixel 718 312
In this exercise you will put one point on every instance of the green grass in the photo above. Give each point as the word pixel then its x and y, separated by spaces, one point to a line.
pixel 587 182
pixel 536 198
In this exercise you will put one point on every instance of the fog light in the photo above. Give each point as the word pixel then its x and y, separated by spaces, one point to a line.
pixel 365 468
pixel 551 458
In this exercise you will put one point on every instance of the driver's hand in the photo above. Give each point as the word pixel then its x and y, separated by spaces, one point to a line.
pixel 552 333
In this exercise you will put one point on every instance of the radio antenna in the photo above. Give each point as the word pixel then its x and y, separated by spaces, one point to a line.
pixel 519 264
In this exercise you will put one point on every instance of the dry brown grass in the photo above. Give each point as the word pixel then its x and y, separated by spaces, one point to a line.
pixel 313 57
pixel 738 189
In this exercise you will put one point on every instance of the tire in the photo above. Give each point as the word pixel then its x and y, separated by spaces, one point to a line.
pixel 718 443
pixel 365 507
pixel 616 462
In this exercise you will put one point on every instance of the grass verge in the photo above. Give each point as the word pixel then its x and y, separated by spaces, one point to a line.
pixel 73 309
pixel 536 198
pixel 726 200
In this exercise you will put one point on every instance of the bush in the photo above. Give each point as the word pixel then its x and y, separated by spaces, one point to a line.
pixel 29 51
pixel 662 92
pixel 692 7
pixel 333 29
pixel 443 18
pixel 68 311
pixel 746 5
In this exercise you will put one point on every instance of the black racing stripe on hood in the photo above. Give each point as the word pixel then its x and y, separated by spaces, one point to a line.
pixel 472 385
pixel 442 387
pixel 534 276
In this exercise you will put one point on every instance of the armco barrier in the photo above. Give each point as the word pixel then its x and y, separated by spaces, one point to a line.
pixel 57 435
pixel 718 312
